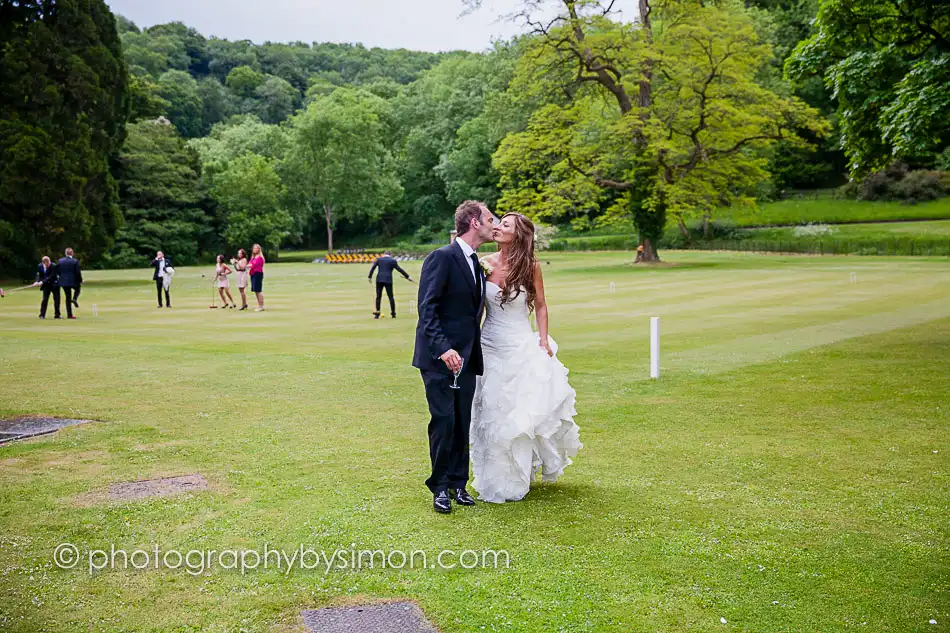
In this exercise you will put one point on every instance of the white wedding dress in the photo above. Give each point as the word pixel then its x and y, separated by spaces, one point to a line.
pixel 523 412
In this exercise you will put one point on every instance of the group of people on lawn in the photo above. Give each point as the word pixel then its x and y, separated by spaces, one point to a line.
pixel 64 279
pixel 64 275
pixel 245 270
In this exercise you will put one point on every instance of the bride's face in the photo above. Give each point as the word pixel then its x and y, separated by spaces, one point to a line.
pixel 505 231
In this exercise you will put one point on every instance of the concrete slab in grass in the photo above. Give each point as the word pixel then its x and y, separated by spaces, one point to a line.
pixel 393 617
pixel 32 425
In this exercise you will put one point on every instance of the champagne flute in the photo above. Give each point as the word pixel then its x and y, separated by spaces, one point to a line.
pixel 455 383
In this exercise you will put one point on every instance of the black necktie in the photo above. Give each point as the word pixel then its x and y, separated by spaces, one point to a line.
pixel 478 285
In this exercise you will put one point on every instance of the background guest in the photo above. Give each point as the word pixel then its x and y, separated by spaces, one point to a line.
pixel 70 279
pixel 384 279
pixel 221 271
pixel 240 267
pixel 159 264
pixel 46 280
pixel 256 269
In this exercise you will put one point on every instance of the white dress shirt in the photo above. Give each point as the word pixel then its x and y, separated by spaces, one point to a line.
pixel 467 251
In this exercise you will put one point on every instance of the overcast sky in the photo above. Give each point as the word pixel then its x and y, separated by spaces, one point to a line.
pixel 429 25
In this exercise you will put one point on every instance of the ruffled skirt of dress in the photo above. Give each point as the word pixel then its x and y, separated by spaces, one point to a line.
pixel 522 419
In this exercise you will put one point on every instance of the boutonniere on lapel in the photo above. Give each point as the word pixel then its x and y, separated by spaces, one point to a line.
pixel 486 267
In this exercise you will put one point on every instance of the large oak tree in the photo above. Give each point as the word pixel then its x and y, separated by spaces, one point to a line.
pixel 663 115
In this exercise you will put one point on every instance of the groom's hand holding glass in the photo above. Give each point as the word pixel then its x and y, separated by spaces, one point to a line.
pixel 452 360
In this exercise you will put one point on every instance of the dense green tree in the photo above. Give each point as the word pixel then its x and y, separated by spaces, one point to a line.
pixel 194 44
pixel 145 100
pixel 243 81
pixel 275 99
pixel 466 169
pixel 155 50
pixel 63 108
pixel 427 116
pixel 163 200
pixel 338 165
pixel 241 135
pixel 250 193
pixel 887 63
pixel 217 104
pixel 318 86
pixel 185 109
pixel 141 57
pixel 287 61
pixel 226 56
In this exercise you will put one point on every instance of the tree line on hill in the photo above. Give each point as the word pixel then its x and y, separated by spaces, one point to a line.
pixel 119 141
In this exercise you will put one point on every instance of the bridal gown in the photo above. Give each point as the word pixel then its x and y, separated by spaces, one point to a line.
pixel 523 412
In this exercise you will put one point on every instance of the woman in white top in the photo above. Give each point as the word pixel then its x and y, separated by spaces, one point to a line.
pixel 221 273
pixel 240 268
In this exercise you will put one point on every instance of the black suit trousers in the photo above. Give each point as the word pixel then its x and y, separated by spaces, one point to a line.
pixel 68 293
pixel 47 291
pixel 451 417
pixel 389 291
pixel 160 288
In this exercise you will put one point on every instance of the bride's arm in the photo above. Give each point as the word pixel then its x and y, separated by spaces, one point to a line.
pixel 541 309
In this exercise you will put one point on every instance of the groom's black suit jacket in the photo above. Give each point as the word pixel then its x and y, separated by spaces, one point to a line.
pixel 450 307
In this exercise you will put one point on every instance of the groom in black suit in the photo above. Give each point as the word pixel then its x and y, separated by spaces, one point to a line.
pixel 451 301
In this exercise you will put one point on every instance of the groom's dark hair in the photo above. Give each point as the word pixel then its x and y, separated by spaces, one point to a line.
pixel 465 213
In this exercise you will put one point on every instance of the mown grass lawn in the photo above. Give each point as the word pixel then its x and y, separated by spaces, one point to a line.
pixel 831 211
pixel 788 472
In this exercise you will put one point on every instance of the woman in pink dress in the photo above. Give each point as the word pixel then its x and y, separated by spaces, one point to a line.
pixel 256 268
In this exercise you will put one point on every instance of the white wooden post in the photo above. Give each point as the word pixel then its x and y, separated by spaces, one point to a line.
pixel 654 347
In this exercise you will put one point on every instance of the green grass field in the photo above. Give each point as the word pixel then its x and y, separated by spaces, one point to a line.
pixel 788 472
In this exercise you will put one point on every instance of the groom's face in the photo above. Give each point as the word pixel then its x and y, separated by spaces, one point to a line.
pixel 486 224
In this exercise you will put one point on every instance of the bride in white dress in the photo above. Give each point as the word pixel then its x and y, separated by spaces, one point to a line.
pixel 522 416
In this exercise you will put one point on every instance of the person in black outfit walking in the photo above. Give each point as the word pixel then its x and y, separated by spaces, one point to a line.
pixel 46 280
pixel 384 279
pixel 159 264
pixel 448 350
pixel 70 279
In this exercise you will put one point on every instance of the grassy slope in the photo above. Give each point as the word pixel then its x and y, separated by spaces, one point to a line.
pixel 831 211
pixel 880 231
pixel 783 474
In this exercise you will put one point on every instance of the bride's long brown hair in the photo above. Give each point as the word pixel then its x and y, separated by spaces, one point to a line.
pixel 521 262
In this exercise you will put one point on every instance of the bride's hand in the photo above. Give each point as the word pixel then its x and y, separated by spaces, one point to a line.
pixel 546 347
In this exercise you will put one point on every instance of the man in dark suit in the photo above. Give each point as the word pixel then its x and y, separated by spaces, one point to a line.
pixel 46 280
pixel 159 264
pixel 70 278
pixel 448 348
pixel 384 279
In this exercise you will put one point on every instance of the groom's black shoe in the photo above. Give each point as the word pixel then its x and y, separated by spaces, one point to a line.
pixel 461 497
pixel 441 502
